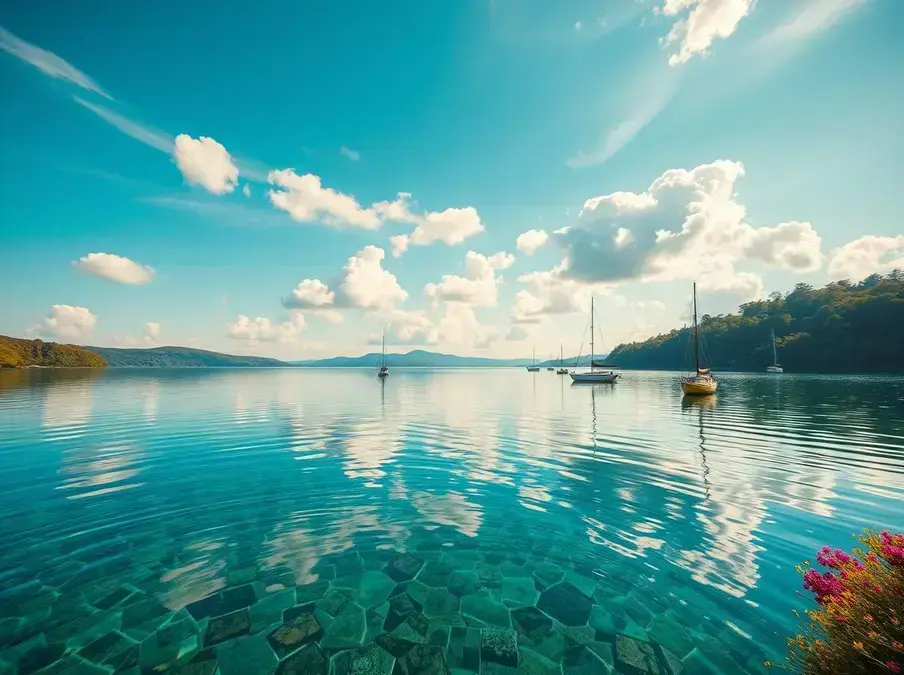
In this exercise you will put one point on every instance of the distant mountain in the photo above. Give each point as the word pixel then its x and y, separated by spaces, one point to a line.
pixel 179 357
pixel 415 359
pixel 19 353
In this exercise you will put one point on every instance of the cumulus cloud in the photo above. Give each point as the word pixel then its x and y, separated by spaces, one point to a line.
pixel 362 284
pixel 701 23
pixel 114 268
pixel 306 200
pixel 262 329
pixel 867 255
pixel 67 322
pixel 550 292
pixel 152 330
pixel 205 162
pixel 451 226
pixel 687 223
pixel 516 333
pixel 528 242
pixel 478 286
pixel 47 62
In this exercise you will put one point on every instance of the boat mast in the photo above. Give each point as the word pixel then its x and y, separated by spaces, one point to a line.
pixel 774 355
pixel 696 333
pixel 383 349
pixel 591 333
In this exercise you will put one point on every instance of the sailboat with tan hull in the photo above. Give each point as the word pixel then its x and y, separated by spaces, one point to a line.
pixel 702 383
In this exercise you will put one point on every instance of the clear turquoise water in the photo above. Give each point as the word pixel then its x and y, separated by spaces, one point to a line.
pixel 552 528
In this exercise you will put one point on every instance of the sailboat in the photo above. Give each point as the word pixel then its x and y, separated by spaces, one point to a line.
pixel 775 367
pixel 533 367
pixel 384 369
pixel 561 370
pixel 550 368
pixel 595 375
pixel 702 383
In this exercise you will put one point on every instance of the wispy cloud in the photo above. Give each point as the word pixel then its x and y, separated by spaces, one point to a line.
pixel 155 138
pixel 812 18
pixel 228 213
pixel 48 63
pixel 353 155
pixel 650 100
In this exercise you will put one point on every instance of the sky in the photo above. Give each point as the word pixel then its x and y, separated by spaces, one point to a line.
pixel 295 179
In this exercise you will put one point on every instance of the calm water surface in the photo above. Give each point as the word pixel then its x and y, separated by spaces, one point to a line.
pixel 316 521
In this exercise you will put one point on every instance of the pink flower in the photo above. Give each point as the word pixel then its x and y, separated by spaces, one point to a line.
pixel 893 667
pixel 893 554
pixel 824 586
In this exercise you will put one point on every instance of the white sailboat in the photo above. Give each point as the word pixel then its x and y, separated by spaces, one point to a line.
pixel 775 367
pixel 596 374
pixel 562 370
pixel 533 367
pixel 384 369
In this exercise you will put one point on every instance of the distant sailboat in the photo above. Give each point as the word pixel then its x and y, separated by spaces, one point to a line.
pixel 550 367
pixel 775 367
pixel 594 376
pixel 561 370
pixel 702 383
pixel 384 369
pixel 533 367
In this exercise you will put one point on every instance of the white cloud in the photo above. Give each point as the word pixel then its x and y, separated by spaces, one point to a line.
pixel 311 293
pixel 205 162
pixel 478 287
pixel 811 18
pixel 451 226
pixel 306 200
pixel 246 190
pixel 154 138
pixel 67 322
pixel 115 268
pixel 353 155
pixel 528 242
pixel 362 284
pixel 152 331
pixel 151 337
pixel 48 62
pixel 867 255
pixel 262 329
pixel 687 223
pixel 705 21
pixel 516 333
pixel 409 327
pixel 549 292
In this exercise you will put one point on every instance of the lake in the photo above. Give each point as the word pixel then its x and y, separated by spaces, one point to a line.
pixel 317 521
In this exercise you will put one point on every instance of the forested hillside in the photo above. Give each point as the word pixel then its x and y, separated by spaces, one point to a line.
pixel 843 327
pixel 18 353
pixel 180 357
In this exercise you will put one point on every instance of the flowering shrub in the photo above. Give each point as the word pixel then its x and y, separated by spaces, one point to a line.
pixel 858 624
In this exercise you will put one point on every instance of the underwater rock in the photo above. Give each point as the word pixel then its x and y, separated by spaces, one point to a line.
pixel 334 602
pixel 370 660
pixel 666 630
pixel 424 660
pixel 441 601
pixel 222 628
pixel 403 567
pixel 374 589
pixel 582 661
pixel 486 609
pixel 307 661
pixel 499 645
pixel 520 590
pixel 464 582
pixel 435 574
pixel 531 621
pixel 311 592
pixel 347 630
pixel 395 646
pixel 295 634
pixel 631 653
pixel 565 603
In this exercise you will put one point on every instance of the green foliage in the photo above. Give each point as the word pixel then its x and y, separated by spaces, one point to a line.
pixel 18 353
pixel 842 327
pixel 179 357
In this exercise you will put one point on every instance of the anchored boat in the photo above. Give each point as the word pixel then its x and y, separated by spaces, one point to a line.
pixel 597 373
pixel 702 383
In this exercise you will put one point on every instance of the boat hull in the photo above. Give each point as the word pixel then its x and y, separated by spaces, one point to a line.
pixel 698 386
pixel 532 369
pixel 774 369
pixel 594 378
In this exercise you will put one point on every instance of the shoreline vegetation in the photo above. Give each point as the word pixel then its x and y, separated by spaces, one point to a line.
pixel 840 328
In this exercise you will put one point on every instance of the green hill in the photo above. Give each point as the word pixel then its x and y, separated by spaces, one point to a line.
pixel 841 328
pixel 179 357
pixel 19 353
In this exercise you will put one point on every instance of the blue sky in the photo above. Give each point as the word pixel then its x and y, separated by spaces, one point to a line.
pixel 288 179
